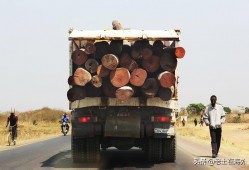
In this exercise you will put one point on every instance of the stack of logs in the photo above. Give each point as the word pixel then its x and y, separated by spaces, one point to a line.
pixel 121 69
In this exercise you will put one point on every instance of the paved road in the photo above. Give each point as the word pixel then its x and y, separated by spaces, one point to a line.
pixel 55 154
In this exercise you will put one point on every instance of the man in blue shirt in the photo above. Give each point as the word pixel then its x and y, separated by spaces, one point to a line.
pixel 65 119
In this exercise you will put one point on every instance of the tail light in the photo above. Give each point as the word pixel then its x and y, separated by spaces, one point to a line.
pixel 163 119
pixel 180 52
pixel 86 119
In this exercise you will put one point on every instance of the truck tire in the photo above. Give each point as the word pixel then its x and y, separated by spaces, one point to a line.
pixel 78 147
pixel 169 150
pixel 154 150
pixel 93 149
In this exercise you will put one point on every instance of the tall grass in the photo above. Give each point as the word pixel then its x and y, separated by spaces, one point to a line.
pixel 33 124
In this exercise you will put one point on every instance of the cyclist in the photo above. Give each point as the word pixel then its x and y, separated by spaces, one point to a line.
pixel 12 120
pixel 65 119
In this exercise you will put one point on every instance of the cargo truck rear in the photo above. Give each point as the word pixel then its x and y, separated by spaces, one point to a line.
pixel 123 92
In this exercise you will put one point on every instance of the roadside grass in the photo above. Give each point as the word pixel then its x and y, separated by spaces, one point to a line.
pixel 36 124
pixel 234 135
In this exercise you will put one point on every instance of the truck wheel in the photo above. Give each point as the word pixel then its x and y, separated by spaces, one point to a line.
pixel 78 147
pixel 93 149
pixel 169 150
pixel 154 150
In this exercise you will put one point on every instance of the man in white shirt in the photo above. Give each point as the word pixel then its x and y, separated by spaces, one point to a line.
pixel 214 117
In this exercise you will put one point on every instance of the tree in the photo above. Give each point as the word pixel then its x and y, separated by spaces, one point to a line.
pixel 247 110
pixel 195 108
pixel 227 110
pixel 182 111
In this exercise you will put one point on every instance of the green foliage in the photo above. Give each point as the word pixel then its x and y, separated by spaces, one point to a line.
pixel 195 108
pixel 227 110
pixel 247 110
pixel 182 111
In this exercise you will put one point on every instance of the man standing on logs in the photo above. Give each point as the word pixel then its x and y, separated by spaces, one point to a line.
pixel 214 116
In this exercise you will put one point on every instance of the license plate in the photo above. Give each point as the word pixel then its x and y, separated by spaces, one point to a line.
pixel 159 130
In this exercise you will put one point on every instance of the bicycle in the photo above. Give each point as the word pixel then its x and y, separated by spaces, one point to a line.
pixel 11 135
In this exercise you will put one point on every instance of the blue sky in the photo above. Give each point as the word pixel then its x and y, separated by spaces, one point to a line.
pixel 34 46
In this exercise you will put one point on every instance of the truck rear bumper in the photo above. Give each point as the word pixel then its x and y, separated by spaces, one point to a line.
pixel 146 131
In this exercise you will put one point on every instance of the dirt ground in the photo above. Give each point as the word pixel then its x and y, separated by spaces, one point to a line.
pixel 235 137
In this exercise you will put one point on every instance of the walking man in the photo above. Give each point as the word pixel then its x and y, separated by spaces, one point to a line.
pixel 183 122
pixel 195 122
pixel 214 117
pixel 201 121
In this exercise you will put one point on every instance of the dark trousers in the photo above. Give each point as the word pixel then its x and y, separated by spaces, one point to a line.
pixel 215 140
pixel 14 132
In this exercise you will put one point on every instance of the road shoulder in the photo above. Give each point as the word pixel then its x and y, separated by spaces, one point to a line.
pixel 26 142
pixel 201 151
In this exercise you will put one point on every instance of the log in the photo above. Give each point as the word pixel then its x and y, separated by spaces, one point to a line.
pixel 81 77
pixel 92 91
pixel 108 89
pixel 166 93
pixel 177 52
pixel 91 65
pixel 138 77
pixel 151 64
pixel 158 48
pixel 96 81
pixel 158 44
pixel 79 57
pixel 90 48
pixel 158 52
pixel 70 81
pixel 76 93
pixel 166 79
pixel 180 52
pixel 127 62
pixel 150 87
pixel 142 43
pixel 102 48
pixel 147 51
pixel 136 48
pixel 110 61
pixel 102 71
pixel 126 49
pixel 116 47
pixel 136 51
pixel 124 93
pixel 119 77
pixel 168 62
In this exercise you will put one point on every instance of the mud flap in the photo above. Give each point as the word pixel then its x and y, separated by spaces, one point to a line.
pixel 123 124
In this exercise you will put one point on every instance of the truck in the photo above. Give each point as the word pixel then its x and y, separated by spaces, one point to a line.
pixel 100 121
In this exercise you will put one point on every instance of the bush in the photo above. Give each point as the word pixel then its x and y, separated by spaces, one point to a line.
pixel 195 108
pixel 35 122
